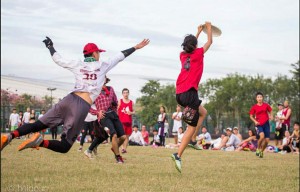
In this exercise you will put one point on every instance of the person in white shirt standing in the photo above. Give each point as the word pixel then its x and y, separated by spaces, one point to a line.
pixel 26 116
pixel 136 137
pixel 177 123
pixel 13 120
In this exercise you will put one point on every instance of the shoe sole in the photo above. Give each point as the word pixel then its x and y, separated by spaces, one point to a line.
pixel 33 142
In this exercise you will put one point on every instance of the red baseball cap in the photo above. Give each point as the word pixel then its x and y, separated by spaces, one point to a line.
pixel 90 48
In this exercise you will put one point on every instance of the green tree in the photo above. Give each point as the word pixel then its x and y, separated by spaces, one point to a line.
pixel 149 103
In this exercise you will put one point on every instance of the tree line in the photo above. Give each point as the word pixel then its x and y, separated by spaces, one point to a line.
pixel 227 100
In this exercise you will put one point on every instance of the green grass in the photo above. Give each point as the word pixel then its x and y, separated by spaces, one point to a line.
pixel 146 169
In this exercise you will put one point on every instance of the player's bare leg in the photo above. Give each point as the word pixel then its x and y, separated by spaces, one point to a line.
pixel 125 144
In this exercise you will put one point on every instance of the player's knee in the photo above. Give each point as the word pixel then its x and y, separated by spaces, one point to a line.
pixel 202 111
pixel 65 146
pixel 114 135
pixel 122 138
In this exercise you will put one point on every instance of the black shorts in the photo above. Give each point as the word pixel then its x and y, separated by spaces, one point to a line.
pixel 191 102
pixel 279 133
pixel 113 123
pixel 285 127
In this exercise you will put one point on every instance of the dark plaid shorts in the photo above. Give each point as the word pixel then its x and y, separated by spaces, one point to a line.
pixel 191 102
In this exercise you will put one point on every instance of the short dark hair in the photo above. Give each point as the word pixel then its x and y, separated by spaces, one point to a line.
pixel 125 89
pixel 155 130
pixel 297 123
pixel 43 109
pixel 189 43
pixel 14 109
pixel 259 93
pixel 135 126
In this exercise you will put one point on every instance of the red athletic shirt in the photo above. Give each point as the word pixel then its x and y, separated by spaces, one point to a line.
pixel 190 78
pixel 124 117
pixel 288 121
pixel 261 112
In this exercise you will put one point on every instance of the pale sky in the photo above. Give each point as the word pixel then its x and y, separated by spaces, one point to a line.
pixel 258 37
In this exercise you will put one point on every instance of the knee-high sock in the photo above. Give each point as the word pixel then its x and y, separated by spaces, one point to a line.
pixel 28 128
pixel 62 146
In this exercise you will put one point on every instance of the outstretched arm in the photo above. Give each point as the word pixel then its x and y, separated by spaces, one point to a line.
pixel 125 53
pixel 209 36
pixel 57 58
pixel 200 28
pixel 142 44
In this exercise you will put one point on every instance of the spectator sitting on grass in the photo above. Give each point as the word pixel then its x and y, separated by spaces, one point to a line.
pixel 236 132
pixel 156 140
pixel 204 139
pixel 220 142
pixel 284 147
pixel 136 137
pixel 233 141
pixel 249 144
pixel 180 135
pixel 145 134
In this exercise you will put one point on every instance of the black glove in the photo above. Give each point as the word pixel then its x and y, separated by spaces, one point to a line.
pixel 48 42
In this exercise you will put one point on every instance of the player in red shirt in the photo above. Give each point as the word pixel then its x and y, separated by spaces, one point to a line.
pixel 187 89
pixel 260 114
pixel 125 112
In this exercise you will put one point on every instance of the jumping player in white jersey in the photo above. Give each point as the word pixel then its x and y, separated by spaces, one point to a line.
pixel 72 109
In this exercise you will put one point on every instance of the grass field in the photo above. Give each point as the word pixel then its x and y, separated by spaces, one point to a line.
pixel 146 169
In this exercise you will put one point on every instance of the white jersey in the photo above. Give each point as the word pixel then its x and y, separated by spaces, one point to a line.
pixel 89 76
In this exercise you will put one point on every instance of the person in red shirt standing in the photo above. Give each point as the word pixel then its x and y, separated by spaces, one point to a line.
pixel 125 112
pixel 187 89
pixel 260 114
pixel 287 112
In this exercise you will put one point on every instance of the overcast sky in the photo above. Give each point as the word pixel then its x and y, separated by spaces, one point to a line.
pixel 259 37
